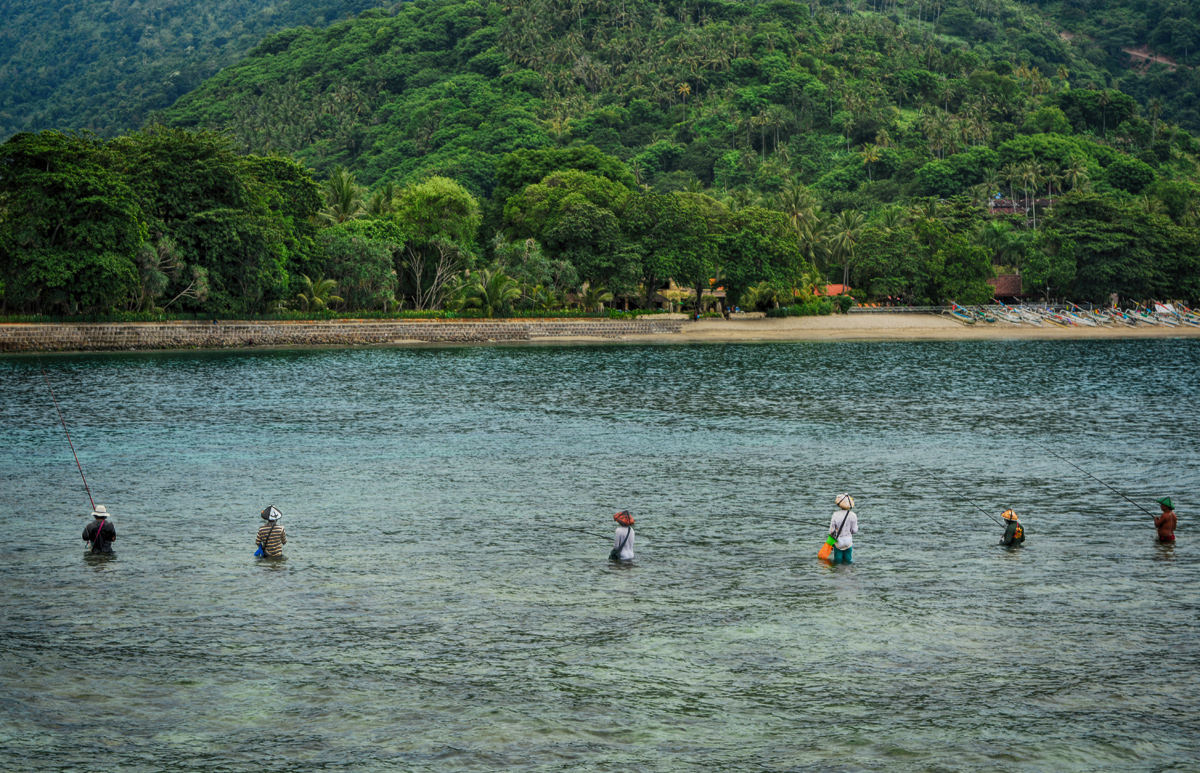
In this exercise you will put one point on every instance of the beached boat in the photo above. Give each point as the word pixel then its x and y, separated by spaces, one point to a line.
pixel 1119 317
pixel 1095 316
pixel 960 314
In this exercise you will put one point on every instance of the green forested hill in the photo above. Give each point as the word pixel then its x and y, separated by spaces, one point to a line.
pixel 104 64
pixel 709 94
pixel 913 148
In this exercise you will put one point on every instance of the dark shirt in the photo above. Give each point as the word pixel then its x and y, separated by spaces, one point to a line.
pixel 102 542
pixel 1014 534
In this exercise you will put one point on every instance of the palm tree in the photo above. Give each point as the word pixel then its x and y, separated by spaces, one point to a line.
pixel 777 118
pixel 1151 206
pixel 813 233
pixel 1053 179
pixel 593 297
pixel 847 229
pixel 344 198
pixel 762 296
pixel 997 237
pixel 1076 173
pixel 317 295
pixel 1031 177
pixel 639 171
pixel 491 290
pixel 382 201
pixel 796 202
pixel 892 218
pixel 1010 174
pixel 543 298
pixel 870 154
pixel 1155 108
pixel 993 180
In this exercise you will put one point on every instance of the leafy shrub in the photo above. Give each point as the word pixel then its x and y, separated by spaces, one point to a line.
pixel 815 307
pixel 1129 174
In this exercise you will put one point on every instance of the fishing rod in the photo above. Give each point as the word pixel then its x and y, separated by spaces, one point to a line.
pixel 64 426
pixel 1093 477
pixel 957 493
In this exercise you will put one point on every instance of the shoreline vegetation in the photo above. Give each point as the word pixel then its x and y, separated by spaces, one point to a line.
pixel 542 156
pixel 660 329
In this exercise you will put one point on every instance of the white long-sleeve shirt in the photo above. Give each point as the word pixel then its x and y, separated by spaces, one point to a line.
pixel 627 551
pixel 835 523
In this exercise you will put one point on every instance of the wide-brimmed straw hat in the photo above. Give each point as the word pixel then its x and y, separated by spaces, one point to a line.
pixel 100 512
pixel 845 501
pixel 1010 515
pixel 625 518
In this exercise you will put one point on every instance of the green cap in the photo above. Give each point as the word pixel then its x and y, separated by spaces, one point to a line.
pixel 1166 502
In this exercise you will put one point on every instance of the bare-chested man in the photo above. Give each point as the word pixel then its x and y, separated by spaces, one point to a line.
pixel 1165 523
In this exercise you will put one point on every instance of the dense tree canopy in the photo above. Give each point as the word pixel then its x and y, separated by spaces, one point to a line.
pixel 104 65
pixel 915 148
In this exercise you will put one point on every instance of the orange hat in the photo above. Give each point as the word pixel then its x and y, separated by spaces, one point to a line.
pixel 625 518
pixel 1009 515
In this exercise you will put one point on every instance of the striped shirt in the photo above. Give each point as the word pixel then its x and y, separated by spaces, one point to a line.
pixel 272 541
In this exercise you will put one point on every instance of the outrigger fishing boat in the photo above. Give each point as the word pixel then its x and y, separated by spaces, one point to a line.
pixel 1014 315
pixel 961 314
pixel 1080 318
pixel 1005 314
pixel 1168 311
pixel 1096 316
pixel 1146 315
pixel 1188 317
pixel 1120 317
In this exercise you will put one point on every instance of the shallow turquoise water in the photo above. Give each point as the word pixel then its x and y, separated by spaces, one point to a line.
pixel 446 602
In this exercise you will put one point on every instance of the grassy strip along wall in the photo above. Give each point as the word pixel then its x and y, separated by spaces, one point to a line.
pixel 197 335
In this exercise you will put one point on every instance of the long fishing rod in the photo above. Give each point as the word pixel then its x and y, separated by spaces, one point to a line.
pixel 64 426
pixel 1093 477
pixel 957 493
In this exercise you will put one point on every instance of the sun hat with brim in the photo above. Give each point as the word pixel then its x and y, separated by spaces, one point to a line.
pixel 1166 502
pixel 625 518
pixel 1010 515
pixel 100 512
pixel 845 501
pixel 271 513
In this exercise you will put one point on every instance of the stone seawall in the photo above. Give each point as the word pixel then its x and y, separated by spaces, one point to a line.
pixel 196 335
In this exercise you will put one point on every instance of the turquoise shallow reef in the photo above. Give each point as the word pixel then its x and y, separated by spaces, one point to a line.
pixel 446 603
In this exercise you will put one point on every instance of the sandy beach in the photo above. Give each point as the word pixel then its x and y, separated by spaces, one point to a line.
pixel 882 327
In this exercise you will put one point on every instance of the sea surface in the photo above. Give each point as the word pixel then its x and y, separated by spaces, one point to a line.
pixel 446 602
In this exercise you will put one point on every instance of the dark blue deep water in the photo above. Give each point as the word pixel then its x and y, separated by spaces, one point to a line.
pixel 446 603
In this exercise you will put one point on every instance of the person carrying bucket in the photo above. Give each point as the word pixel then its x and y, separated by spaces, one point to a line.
pixel 1014 532
pixel 99 534
pixel 842 528
pixel 623 539
pixel 1166 522
pixel 271 537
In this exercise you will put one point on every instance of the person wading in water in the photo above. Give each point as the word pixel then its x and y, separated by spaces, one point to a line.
pixel 1014 532
pixel 842 527
pixel 100 533
pixel 271 537
pixel 623 539
pixel 1165 523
